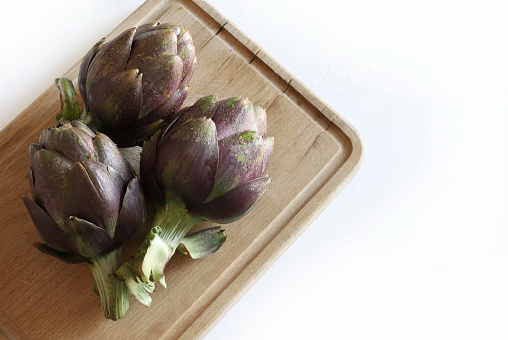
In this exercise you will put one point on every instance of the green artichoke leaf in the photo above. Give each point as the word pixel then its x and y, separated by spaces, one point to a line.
pixel 202 243
pixel 136 287
pixel 113 294
pixel 151 260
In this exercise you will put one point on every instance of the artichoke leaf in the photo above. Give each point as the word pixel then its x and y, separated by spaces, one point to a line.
pixel 91 184
pixel 241 161
pixel 50 171
pixel 152 45
pixel 161 78
pixel 233 116
pixel 234 204
pixel 108 154
pixel 111 58
pixel 136 287
pixel 202 243
pixel 187 161
pixel 115 100
pixel 132 215
pixel 66 257
pixel 150 260
pixel 47 228
pixel 89 240
pixel 83 68
pixel 167 111
pixel 146 173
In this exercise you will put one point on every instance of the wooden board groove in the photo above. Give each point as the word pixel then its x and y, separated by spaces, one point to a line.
pixel 317 152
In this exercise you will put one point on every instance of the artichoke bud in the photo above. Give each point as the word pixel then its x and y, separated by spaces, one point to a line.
pixel 213 159
pixel 209 164
pixel 138 80
pixel 86 199
pixel 86 202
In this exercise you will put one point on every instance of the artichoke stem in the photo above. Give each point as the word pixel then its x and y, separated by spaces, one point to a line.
pixel 169 227
pixel 174 225
pixel 69 101
pixel 141 272
pixel 113 293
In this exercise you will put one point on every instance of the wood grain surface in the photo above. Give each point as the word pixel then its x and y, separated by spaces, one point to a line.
pixel 316 153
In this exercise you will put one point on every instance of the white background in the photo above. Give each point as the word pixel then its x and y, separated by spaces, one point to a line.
pixel 415 247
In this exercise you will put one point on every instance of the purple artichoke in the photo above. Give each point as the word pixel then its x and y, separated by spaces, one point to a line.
pixel 137 81
pixel 212 160
pixel 209 165
pixel 86 203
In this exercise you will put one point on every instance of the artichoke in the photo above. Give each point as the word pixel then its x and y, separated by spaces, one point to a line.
pixel 86 202
pixel 208 165
pixel 135 82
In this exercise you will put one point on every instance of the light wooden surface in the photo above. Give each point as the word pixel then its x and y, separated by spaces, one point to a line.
pixel 316 154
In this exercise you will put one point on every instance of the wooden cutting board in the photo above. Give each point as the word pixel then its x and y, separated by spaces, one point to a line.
pixel 316 153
